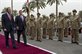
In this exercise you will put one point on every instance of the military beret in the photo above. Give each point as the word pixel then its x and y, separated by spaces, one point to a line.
pixel 74 10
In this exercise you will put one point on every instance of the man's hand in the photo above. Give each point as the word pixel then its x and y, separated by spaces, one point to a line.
pixel 17 27
pixel 5 29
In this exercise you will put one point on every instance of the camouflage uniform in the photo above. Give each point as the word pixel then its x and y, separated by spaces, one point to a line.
pixel 66 26
pixel 75 28
pixel 60 24
pixel 44 25
pixel 50 25
pixel 39 29
pixel 32 28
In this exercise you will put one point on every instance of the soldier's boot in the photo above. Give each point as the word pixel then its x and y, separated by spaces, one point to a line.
pixel 39 39
pixel 51 37
pixel 44 37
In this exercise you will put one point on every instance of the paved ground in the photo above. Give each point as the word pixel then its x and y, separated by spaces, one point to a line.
pixel 59 47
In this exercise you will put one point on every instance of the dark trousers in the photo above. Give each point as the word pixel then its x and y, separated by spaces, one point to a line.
pixel 7 38
pixel 19 32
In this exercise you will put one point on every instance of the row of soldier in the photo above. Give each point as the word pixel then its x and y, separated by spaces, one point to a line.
pixel 43 27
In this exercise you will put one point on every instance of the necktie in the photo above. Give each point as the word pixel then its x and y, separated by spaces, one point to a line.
pixel 9 16
pixel 22 18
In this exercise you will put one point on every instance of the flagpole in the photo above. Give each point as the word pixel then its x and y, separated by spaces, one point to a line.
pixel 28 9
pixel 12 5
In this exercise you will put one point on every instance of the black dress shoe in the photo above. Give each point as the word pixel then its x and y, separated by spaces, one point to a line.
pixel 7 46
pixel 14 47
pixel 25 44
pixel 18 41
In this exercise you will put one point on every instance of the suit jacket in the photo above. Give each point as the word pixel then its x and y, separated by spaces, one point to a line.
pixel 20 23
pixel 7 23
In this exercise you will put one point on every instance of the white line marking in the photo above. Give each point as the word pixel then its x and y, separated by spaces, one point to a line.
pixel 37 47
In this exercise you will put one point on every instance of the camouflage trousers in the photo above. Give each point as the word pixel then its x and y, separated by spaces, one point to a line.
pixel 32 32
pixel 44 33
pixel 50 33
pixel 60 34
pixel 75 35
pixel 66 32
pixel 39 36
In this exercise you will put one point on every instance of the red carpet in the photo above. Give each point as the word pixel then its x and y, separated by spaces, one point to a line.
pixel 21 48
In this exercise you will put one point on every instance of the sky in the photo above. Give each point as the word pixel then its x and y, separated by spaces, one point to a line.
pixel 65 8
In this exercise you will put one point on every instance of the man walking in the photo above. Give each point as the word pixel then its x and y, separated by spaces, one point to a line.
pixel 20 26
pixel 8 27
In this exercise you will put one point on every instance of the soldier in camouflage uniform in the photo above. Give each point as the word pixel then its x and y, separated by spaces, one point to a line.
pixel 27 26
pixel 66 26
pixel 44 25
pixel 69 27
pixel 75 27
pixel 39 28
pixel 60 24
pixel 32 27
pixel 50 25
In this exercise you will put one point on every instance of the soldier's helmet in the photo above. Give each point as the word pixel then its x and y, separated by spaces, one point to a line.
pixel 74 10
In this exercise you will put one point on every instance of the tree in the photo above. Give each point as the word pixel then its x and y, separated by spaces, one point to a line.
pixel 27 9
pixel 35 4
pixel 4 10
pixel 51 2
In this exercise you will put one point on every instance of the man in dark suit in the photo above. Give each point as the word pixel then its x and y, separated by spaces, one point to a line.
pixel 8 27
pixel 20 25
